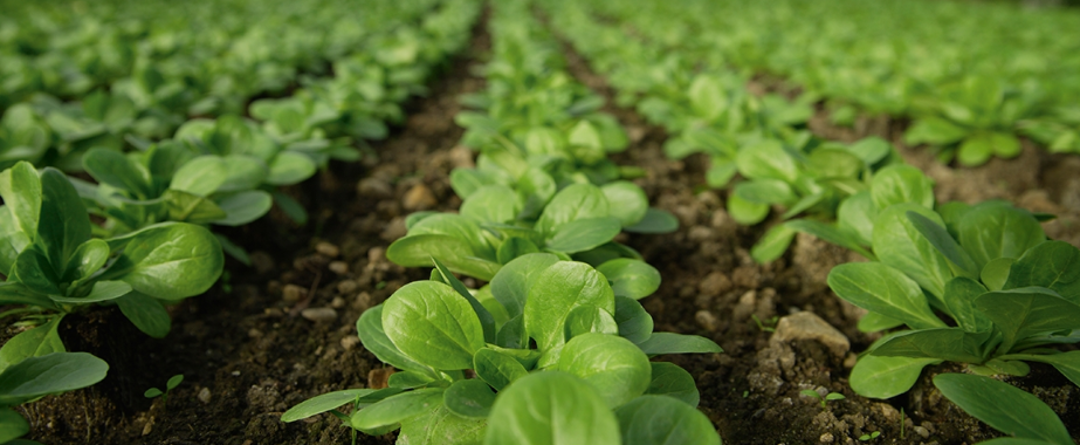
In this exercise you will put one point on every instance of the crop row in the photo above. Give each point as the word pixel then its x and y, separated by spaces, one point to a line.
pixel 1008 292
pixel 557 342
pixel 152 244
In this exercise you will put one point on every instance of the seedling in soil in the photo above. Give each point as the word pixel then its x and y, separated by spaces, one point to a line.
pixel 766 328
pixel 155 392
pixel 832 396
pixel 870 436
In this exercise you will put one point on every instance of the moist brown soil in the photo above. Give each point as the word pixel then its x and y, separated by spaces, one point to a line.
pixel 249 351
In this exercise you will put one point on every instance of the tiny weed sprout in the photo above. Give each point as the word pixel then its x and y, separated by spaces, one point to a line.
pixel 831 396
pixel 761 325
pixel 870 436
pixel 155 392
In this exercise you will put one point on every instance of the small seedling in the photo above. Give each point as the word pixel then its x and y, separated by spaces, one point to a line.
pixel 870 436
pixel 745 393
pixel 901 423
pixel 155 392
pixel 831 396
pixel 761 325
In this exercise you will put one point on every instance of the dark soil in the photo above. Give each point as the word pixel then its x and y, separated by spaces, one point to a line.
pixel 249 350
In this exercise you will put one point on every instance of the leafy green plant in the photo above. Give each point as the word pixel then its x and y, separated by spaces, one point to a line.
pixel 172 383
pixel 35 377
pixel 871 436
pixel 999 404
pixel 54 266
pixel 543 326
pixel 831 396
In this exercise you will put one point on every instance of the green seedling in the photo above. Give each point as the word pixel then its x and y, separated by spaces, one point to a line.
pixel 870 436
pixel 155 392
pixel 831 396
pixel 542 326
pixel 761 325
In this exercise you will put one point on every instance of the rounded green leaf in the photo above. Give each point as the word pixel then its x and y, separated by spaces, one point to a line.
pixel 745 212
pixel 589 319
pixel 470 398
pixel 512 283
pixel 551 407
pixel 201 176
pixel 630 278
pixel 658 419
pixel 901 183
pixel 245 172
pixel 767 159
pixel 576 202
pixel 170 261
pixel 899 244
pixel 773 244
pixel 671 380
pixel 628 202
pixel 991 231
pixel 656 221
pixel 243 207
pixel 113 168
pixel 497 369
pixel 491 204
pixel 886 376
pixel 433 324
pixel 635 324
pixel 614 366
pixel 1052 264
pixel 397 408
pixel 557 290
pixel 369 329
pixel 583 235
pixel 290 168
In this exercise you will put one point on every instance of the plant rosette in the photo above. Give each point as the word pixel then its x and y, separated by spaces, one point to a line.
pixel 473 364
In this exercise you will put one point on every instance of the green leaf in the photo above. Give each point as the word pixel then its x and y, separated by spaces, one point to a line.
pixel 1003 407
pixel 871 149
pixel 487 321
pixel 951 344
pixel 113 168
pixel 856 215
pixel 397 408
pixel 190 208
pixel 767 159
pixel 576 202
pixel 457 226
pixel 467 181
pixel 662 343
pixel 431 323
pixel 49 374
pixel 511 285
pixel 901 183
pixel 941 240
pixel 874 322
pixel 830 234
pixel 64 223
pixel 996 272
pixel 515 247
pixel 707 97
pixel 1022 312
pixel 324 403
pixel 469 398
pixel 21 189
pixel 671 380
pixel 291 207
pixel 631 278
pixel 12 425
pixel 245 207
pixel 369 329
pixel 1068 363
pixel 534 189
pixel 959 300
pixel 147 313
pixel 835 163
pixel 441 426
pixel 103 290
pixel 884 290
pixel 13 293
pixel 201 176
pixel 933 130
pixel 497 369
pixel 32 269
pixel 975 150
pixel 589 319
pixel 1052 264
pixel 494 203
pixel 746 213
pixel 627 201
pixel 558 290
pixel 720 173
pixel 290 168
pixel 88 258
pixel 456 253
pixel 244 172
pixel 884 377
pixel 634 322
pixel 406 379
pixel 765 191
pixel 899 244
pixel 991 231
pixel 583 235
pixel 773 244
pixel 551 407
pixel 657 419
pixel 170 261
pixel 37 341
pixel 656 221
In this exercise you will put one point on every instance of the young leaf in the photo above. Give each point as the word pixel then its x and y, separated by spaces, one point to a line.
pixel 113 168
pixel 627 201
pixel 657 419
pixel 856 215
pixel 469 398
pixel 102 291
pixel 899 244
pixel 767 159
pixel 959 300
pixel 656 221
pixel 1053 264
pixel 1004 407
pixel 191 208
pixel 884 290
pixel 38 341
pixel 884 377
pixel 324 403
pixel 515 247
pixel 576 202
pixel 765 191
pixel 64 223
pixel 945 244
pixel 631 278
pixel 20 187
pixel 662 343
pixel 511 285
pixel 746 213
pixel 951 344
pixel 244 207
pixel 992 231
pixel 996 272
pixel 147 313
pixel 559 289
pixel 583 235
pixel 49 374
pixel 1068 363
pixel 634 322
pixel 901 183
pixel 200 176
pixel 1023 312
pixel 671 380
pixel 773 244
pixel 497 369
pixel 290 168
pixel 487 321
pixel 169 261
pixel 430 322
pixel 874 322
pixel 551 407
pixel 494 203
pixel 245 172
pixel 441 426
pixel 369 329
pixel 456 253
pixel 830 234
pixel 613 366
pixel 397 408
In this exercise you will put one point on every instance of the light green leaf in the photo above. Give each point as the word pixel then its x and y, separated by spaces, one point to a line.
pixel 657 419
pixel 884 290
pixel 884 377
pixel 429 322
pixel 551 407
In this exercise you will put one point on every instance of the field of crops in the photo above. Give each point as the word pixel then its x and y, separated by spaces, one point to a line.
pixel 539 222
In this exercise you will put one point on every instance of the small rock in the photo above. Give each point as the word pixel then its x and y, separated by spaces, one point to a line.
pixel 850 360
pixel 320 314
pixel 715 284
pixel 374 187
pixel 890 412
pixel 347 286
pixel 461 157
pixel 148 427
pixel 745 307
pixel 746 276
pixel 337 302
pixel 700 233
pixel 339 267
pixel 826 438
pixel 377 378
pixel 362 301
pixel 255 333
pixel 293 293
pixel 350 341
pixel 808 326
pixel 419 198
pixel 204 395
pixel 922 431
pixel 327 249
pixel 376 257
pixel 929 426
pixel 706 320
pixel 394 230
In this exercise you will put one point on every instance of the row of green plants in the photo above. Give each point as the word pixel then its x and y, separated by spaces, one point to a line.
pixel 555 348
pixel 355 71
pixel 150 244
pixel 979 285
pixel 964 73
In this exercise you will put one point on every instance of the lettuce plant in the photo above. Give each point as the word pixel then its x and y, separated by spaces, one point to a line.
pixel 54 266
pixel 471 363
pixel 1009 293
pixel 35 377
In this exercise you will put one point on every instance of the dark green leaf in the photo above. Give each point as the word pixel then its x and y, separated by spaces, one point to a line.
pixel 656 221
pixel 656 419
pixel 583 235
pixel 1053 264
pixel 147 313
pixel 497 369
pixel 664 343
pixel 1004 407
pixel 950 344
pixel 884 290
pixel 1023 312
pixel 470 398
pixel 674 381
pixel 944 243
pixel 49 374
pixel 994 231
